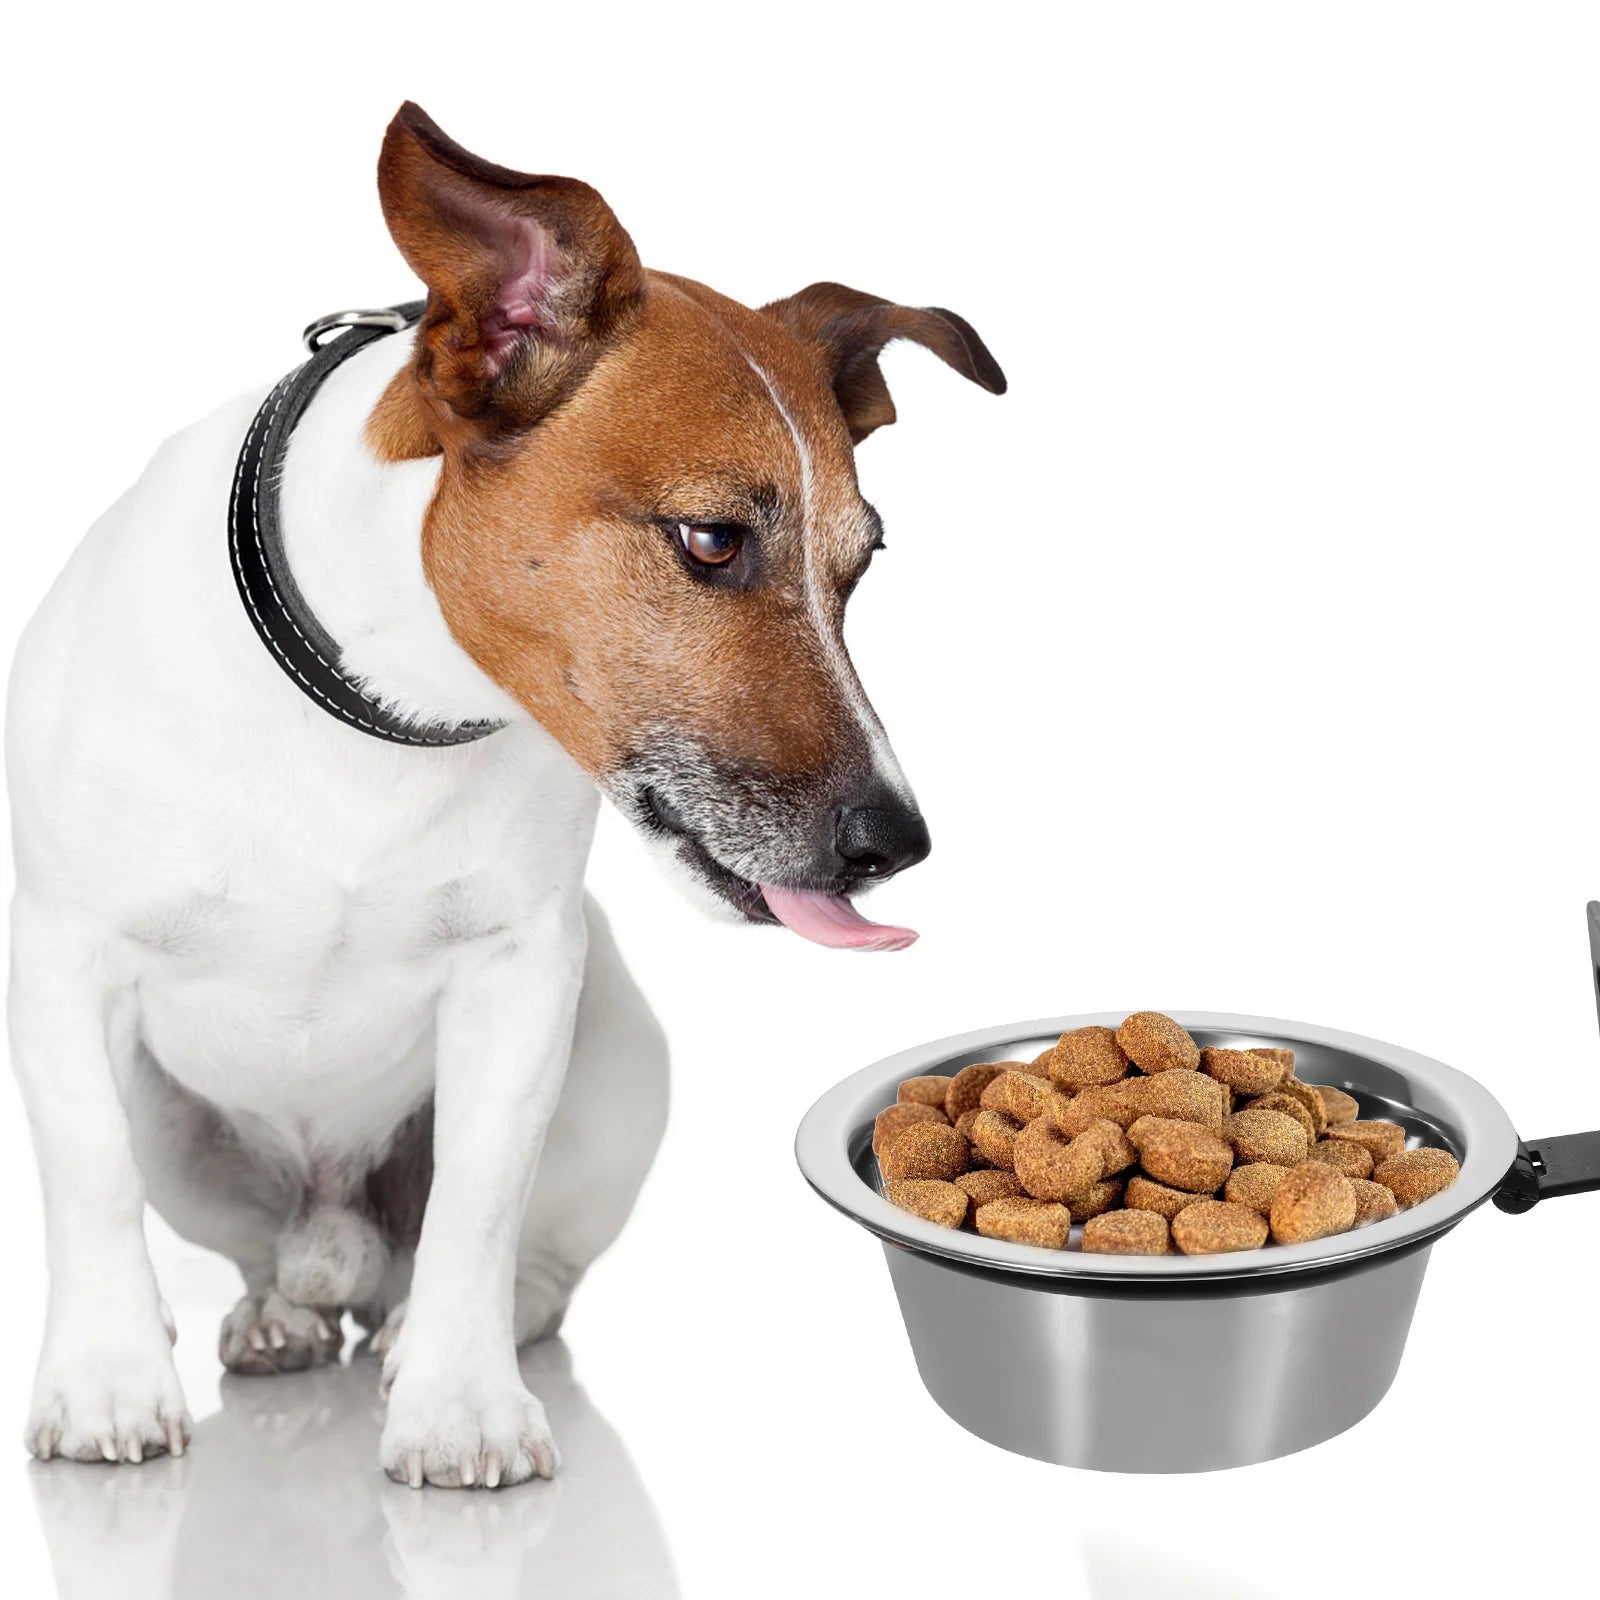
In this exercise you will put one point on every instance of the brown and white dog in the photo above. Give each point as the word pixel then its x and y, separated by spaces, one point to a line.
pixel 338 1008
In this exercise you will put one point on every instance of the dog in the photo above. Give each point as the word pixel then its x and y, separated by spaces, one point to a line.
pixel 338 1005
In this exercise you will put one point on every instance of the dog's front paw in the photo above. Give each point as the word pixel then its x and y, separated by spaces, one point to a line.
pixel 108 1398
pixel 461 1431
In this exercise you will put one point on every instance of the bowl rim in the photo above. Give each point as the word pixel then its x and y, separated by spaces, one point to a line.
pixel 828 1132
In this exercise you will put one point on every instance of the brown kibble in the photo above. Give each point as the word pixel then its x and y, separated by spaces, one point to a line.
pixel 1380 1139
pixel 991 1184
pixel 1313 1201
pixel 929 1199
pixel 1374 1203
pixel 1247 1072
pixel 964 1123
pixel 1025 1221
pixel 967 1086
pixel 1022 1095
pixel 1350 1158
pixel 1266 1136
pixel 1116 1149
pixel 1086 1057
pixel 1155 1043
pixel 1127 1233
pixel 901 1115
pixel 1310 1101
pixel 1340 1107
pixel 1413 1176
pixel 993 1135
pixel 1254 1185
pixel 924 1150
pixel 929 1091
pixel 1052 1167
pixel 1182 1154
pixel 1211 1227
pixel 1289 1106
pixel 1145 1194
pixel 1112 1102
pixel 1186 1096
pixel 1100 1199
pixel 1279 1053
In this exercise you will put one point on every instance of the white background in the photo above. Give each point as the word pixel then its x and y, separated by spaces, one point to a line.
pixel 1243 657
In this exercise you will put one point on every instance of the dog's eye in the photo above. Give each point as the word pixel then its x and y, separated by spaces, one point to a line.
pixel 712 544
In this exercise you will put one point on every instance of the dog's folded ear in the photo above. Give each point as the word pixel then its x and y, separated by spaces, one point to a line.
pixel 847 329
pixel 528 278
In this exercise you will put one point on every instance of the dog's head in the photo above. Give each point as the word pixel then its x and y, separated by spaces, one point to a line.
pixel 648 523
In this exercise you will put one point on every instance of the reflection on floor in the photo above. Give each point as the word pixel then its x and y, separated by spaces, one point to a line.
pixel 279 1497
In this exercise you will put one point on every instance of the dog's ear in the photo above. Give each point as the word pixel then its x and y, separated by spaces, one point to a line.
pixel 847 329
pixel 528 278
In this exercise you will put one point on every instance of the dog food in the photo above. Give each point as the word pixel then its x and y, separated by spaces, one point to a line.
pixel 994 1136
pixel 1266 1136
pixel 1127 1233
pixel 1352 1159
pixel 1186 1096
pixel 924 1091
pixel 1313 1201
pixel 925 1150
pixel 901 1115
pixel 1050 1166
pixel 1255 1184
pixel 1086 1057
pixel 937 1201
pixel 1145 1194
pixel 1100 1199
pixel 1026 1221
pixel 1379 1139
pixel 1155 1043
pixel 967 1086
pixel 1413 1176
pixel 1246 1072
pixel 1210 1227
pixel 1373 1202
pixel 990 1183
pixel 1144 1144
pixel 1338 1106
pixel 1020 1095
pixel 1182 1154
pixel 1289 1106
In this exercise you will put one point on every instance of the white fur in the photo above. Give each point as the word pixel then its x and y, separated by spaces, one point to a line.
pixel 249 941
pixel 885 764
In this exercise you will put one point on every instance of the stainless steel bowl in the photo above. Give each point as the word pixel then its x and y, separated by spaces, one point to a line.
pixel 1165 1363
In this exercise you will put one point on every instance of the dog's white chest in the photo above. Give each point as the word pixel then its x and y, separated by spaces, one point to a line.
pixel 295 978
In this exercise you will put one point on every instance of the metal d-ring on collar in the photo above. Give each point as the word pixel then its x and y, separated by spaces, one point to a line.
pixel 278 611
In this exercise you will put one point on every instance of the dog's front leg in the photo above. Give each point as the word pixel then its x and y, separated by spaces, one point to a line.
pixel 106 1388
pixel 459 1413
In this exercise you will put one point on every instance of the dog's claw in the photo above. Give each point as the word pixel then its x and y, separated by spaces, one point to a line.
pixel 278 1337
pixel 491 1470
pixel 258 1340
pixel 324 1329
pixel 136 1449
pixel 45 1443
pixel 414 1469
pixel 174 1432
pixel 108 1447
pixel 468 1476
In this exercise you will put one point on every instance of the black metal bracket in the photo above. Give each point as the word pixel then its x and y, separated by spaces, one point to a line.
pixel 1565 1163
pixel 1546 1169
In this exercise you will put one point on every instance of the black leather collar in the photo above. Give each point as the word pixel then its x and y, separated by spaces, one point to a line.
pixel 272 599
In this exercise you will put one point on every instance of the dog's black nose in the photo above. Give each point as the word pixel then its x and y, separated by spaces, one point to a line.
pixel 880 839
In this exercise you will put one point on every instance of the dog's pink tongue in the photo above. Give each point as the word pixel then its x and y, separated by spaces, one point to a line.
pixel 830 919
